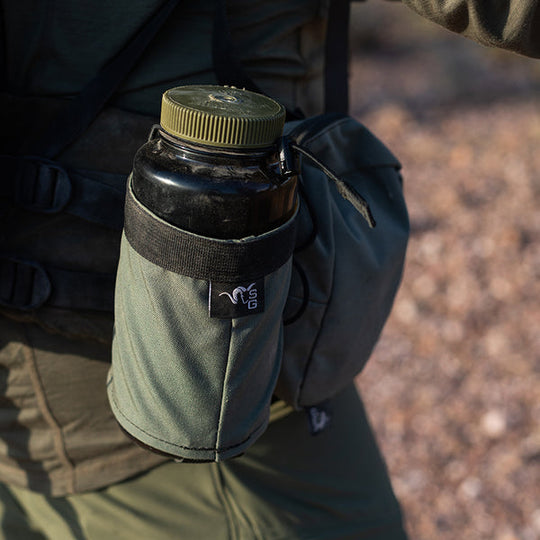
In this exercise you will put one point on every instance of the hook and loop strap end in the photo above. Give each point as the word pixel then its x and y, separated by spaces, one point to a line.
pixel 347 191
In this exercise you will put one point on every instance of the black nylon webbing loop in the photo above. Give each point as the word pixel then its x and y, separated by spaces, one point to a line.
pixel 24 285
pixel 35 184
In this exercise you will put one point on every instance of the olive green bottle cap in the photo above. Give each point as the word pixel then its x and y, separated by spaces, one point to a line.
pixel 221 116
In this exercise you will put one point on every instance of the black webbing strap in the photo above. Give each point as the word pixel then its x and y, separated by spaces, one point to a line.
pixel 229 70
pixel 27 285
pixel 336 71
pixel 80 113
pixel 46 187
pixel 3 62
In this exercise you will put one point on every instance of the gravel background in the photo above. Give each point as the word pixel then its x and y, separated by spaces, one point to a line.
pixel 453 388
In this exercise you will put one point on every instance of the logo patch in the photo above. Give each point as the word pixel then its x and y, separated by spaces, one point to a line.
pixel 228 300
pixel 319 417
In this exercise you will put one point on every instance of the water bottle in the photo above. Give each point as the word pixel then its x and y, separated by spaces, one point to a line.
pixel 203 275
pixel 212 168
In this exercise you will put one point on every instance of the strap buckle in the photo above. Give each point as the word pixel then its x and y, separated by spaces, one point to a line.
pixel 24 285
pixel 42 185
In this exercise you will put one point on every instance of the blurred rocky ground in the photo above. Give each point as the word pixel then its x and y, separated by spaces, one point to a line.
pixel 453 389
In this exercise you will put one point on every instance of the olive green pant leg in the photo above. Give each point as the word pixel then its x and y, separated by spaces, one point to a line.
pixel 289 485
pixel 292 485
pixel 172 501
pixel 14 521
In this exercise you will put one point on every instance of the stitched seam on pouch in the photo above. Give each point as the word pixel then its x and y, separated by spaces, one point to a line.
pixel 222 404
pixel 119 412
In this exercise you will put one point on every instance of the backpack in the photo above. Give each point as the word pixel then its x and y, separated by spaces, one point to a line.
pixel 335 291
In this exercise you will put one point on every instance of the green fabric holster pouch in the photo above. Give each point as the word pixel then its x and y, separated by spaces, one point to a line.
pixel 198 335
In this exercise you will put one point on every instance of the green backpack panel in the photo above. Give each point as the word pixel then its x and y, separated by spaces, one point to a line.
pixel 345 274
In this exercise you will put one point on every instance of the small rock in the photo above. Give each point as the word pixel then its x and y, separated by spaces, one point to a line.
pixel 507 535
pixel 471 487
pixel 535 520
pixel 494 423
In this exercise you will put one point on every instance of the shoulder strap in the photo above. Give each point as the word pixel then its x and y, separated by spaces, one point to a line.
pixel 336 70
pixel 336 73
pixel 3 74
pixel 227 68
pixel 80 113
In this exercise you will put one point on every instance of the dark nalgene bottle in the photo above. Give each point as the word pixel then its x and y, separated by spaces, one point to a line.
pixel 203 275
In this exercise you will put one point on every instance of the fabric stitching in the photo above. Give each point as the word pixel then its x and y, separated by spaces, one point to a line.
pixel 119 412
pixel 219 486
pixel 309 359
pixel 46 410
pixel 222 401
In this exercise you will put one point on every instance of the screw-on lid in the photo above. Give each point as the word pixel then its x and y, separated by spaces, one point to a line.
pixel 221 116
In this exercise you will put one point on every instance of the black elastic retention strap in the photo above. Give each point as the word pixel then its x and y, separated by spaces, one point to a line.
pixel 226 261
